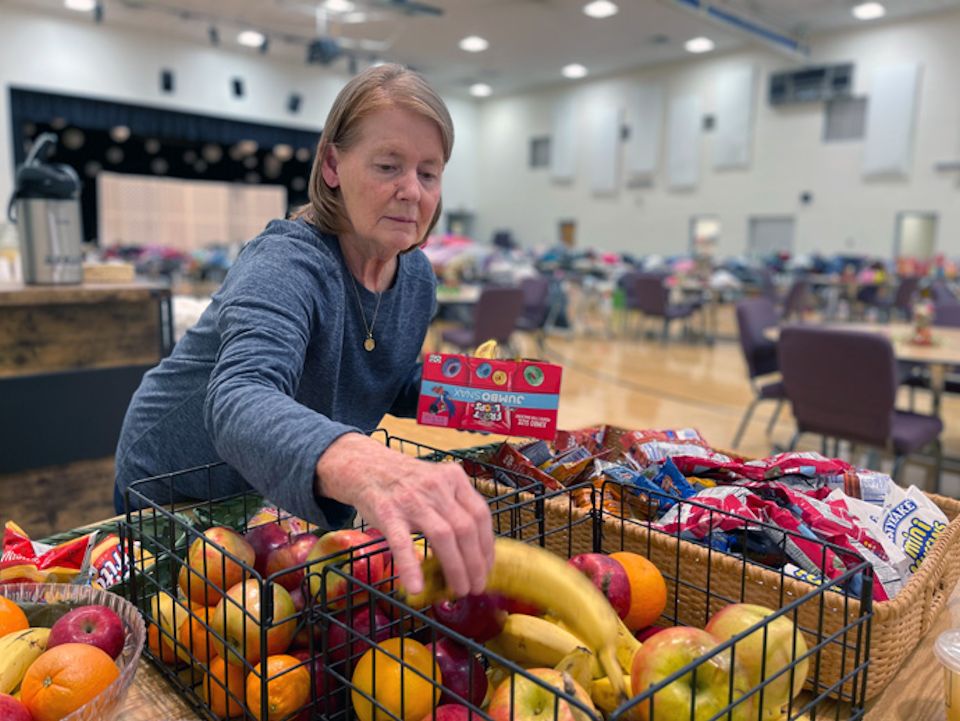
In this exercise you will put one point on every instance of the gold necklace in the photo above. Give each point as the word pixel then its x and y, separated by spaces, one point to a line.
pixel 368 343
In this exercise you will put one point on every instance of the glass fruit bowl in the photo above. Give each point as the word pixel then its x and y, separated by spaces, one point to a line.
pixel 60 597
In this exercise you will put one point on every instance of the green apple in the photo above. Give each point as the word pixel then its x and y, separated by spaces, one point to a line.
pixel 783 646
pixel 696 696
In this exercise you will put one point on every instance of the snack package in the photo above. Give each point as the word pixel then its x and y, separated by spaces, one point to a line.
pixel 107 561
pixel 590 438
pixel 863 484
pixel 26 561
pixel 913 522
pixel 646 447
pixel 511 459
pixel 808 464
pixel 518 398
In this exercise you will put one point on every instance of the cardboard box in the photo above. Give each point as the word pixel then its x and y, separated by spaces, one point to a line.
pixel 515 398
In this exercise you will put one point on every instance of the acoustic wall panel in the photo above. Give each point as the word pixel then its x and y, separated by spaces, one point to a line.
pixel 891 112
pixel 643 149
pixel 683 143
pixel 736 98
pixel 604 143
pixel 563 146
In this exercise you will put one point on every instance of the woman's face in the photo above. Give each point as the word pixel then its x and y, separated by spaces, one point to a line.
pixel 389 180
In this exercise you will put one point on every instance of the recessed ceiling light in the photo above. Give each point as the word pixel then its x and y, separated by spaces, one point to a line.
pixel 354 17
pixel 339 6
pixel 699 45
pixel 474 44
pixel 251 38
pixel 868 11
pixel 574 71
pixel 82 6
pixel 600 9
pixel 481 90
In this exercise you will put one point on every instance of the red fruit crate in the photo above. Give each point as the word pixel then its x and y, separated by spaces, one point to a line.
pixel 369 656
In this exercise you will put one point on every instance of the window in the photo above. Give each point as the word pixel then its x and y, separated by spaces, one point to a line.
pixel 540 152
pixel 844 119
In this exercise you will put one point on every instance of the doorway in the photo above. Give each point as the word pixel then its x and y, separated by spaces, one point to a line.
pixel 916 235
pixel 770 235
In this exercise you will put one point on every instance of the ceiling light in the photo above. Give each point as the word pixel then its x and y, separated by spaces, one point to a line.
pixel 339 6
pixel 868 11
pixel 474 44
pixel 251 38
pixel 81 6
pixel 699 45
pixel 481 90
pixel 574 71
pixel 600 9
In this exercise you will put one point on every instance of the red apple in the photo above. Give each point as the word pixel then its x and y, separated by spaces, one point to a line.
pixel 783 647
pixel 339 646
pixel 515 605
pixel 700 696
pixel 463 677
pixel 12 710
pixel 478 616
pixel 649 632
pixel 520 699
pixel 93 625
pixel 209 572
pixel 263 539
pixel 329 696
pixel 609 576
pixel 451 712
pixel 350 552
pixel 237 619
pixel 290 554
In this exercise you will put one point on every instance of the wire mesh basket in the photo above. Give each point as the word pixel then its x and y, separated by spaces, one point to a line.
pixel 366 654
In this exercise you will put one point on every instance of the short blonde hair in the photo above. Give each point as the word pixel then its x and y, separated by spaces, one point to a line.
pixel 377 88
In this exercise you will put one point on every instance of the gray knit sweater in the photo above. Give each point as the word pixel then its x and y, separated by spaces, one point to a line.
pixel 275 371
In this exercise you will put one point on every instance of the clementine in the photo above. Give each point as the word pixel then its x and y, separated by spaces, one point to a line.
pixel 222 688
pixel 193 638
pixel 288 687
pixel 648 590
pixel 400 675
pixel 160 646
pixel 65 678
pixel 12 617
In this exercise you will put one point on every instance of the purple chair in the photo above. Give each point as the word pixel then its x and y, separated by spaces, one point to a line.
pixel 843 385
pixel 796 301
pixel 652 298
pixel 494 317
pixel 536 307
pixel 754 316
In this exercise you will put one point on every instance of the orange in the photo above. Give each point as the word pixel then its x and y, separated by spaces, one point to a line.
pixel 65 678
pixel 648 590
pixel 288 690
pixel 193 635
pixel 12 617
pixel 160 646
pixel 222 687
pixel 406 680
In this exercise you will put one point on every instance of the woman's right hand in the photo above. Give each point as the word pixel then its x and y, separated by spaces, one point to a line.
pixel 399 495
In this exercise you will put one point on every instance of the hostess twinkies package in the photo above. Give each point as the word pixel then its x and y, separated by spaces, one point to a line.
pixel 512 397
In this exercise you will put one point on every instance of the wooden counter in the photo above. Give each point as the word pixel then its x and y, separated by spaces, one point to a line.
pixel 70 358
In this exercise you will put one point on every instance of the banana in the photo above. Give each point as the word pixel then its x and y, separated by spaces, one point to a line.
pixel 603 695
pixel 627 644
pixel 487 349
pixel 580 664
pixel 533 574
pixel 533 642
pixel 17 651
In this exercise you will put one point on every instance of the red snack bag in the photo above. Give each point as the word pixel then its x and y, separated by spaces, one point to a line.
pixel 511 459
pixel 25 561
pixel 107 563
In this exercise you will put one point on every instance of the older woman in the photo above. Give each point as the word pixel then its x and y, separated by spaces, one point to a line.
pixel 314 336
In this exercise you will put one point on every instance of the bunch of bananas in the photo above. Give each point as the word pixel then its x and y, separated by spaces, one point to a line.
pixel 582 634
pixel 18 650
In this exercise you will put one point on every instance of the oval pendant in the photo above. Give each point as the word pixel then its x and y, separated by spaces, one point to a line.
pixel 369 344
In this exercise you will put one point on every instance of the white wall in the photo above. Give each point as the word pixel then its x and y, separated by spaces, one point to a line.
pixel 789 157
pixel 80 58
